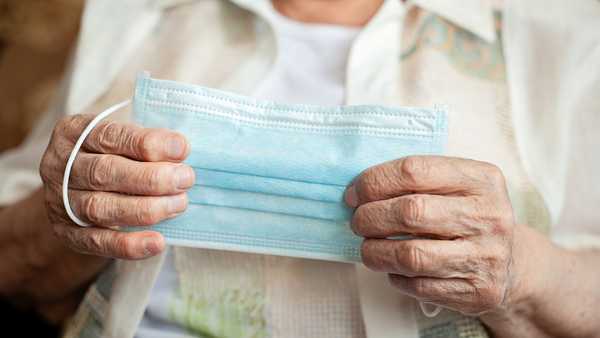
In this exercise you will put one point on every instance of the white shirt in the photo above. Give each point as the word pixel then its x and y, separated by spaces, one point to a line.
pixel 548 94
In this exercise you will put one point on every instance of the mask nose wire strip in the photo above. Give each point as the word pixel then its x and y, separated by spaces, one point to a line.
pixel 82 137
pixel 428 312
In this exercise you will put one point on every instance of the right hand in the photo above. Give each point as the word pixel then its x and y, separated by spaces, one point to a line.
pixel 124 175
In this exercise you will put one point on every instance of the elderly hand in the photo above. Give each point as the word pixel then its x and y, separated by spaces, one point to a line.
pixel 462 218
pixel 124 175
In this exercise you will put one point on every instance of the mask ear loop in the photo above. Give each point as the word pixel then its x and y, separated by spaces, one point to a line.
pixel 84 134
pixel 428 312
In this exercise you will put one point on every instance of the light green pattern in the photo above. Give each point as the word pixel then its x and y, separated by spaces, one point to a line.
pixel 529 208
pixel 227 313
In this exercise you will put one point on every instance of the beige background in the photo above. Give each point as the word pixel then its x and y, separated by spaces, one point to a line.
pixel 35 42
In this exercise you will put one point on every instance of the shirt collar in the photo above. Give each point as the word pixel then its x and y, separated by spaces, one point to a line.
pixel 475 16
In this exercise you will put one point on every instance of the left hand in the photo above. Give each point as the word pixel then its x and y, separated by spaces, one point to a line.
pixel 460 213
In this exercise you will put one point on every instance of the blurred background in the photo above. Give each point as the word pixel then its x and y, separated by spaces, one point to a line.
pixel 36 37
pixel 35 41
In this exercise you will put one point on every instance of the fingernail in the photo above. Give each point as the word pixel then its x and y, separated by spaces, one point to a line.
pixel 176 204
pixel 351 196
pixel 176 147
pixel 185 177
pixel 151 246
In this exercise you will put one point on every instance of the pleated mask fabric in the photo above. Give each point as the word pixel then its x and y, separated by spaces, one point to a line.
pixel 270 177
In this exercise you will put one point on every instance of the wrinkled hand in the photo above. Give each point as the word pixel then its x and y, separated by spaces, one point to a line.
pixel 124 175
pixel 460 211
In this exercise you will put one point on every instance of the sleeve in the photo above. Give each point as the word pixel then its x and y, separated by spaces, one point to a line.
pixel 579 224
pixel 553 73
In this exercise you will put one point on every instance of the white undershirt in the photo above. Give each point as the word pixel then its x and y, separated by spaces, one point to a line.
pixel 310 68
pixel 311 63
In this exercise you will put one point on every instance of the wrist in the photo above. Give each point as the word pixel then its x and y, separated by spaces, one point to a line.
pixel 32 232
pixel 25 242
pixel 532 272
pixel 532 279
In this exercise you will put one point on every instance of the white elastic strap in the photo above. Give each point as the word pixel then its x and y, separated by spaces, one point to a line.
pixel 428 312
pixel 84 134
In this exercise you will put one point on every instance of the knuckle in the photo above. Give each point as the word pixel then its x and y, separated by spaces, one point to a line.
pixel 362 220
pixel 99 172
pixel 494 175
pixel 153 178
pixel 412 256
pixel 95 243
pixel 147 144
pixel 411 210
pixel 420 287
pixel 411 168
pixel 51 170
pixel 115 212
pixel 495 216
pixel 498 263
pixel 63 127
pixel 370 256
pixel 500 220
pixel 488 293
pixel 94 208
pixel 501 226
pixel 57 132
pixel 109 136
pixel 491 297
pixel 73 239
pixel 71 125
pixel 78 120
pixel 505 213
pixel 146 214
pixel 124 246
pixel 370 184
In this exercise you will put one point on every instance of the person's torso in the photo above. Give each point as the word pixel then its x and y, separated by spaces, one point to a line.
pixel 220 293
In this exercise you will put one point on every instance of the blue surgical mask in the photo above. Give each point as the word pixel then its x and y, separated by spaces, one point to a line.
pixel 270 178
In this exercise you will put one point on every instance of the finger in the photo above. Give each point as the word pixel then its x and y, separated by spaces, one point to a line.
pixel 111 243
pixel 436 175
pixel 112 209
pixel 422 215
pixel 455 293
pixel 130 140
pixel 420 257
pixel 103 172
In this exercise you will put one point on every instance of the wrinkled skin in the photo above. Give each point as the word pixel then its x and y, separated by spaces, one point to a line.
pixel 469 255
pixel 124 175
pixel 460 211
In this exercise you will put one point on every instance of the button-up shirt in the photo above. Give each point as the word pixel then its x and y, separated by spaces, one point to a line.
pixel 520 80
